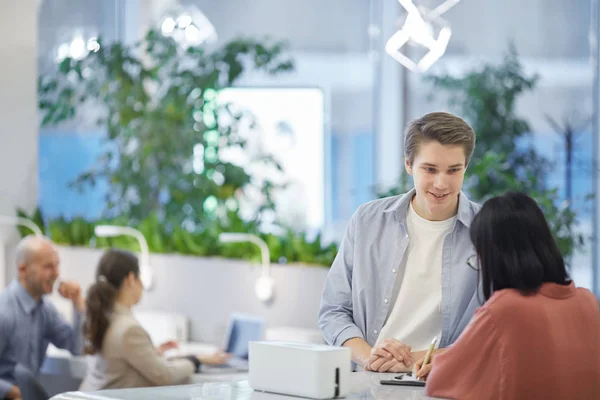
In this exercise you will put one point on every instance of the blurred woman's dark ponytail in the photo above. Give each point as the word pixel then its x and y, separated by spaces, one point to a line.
pixel 114 267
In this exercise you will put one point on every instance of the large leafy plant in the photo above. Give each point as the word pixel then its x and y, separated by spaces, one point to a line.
pixel 166 131
pixel 167 138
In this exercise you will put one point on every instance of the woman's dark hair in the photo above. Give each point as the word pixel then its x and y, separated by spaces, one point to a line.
pixel 113 268
pixel 515 247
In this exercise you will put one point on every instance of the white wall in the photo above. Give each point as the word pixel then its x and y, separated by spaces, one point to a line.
pixel 61 19
pixel 480 27
pixel 18 115
pixel 540 28
pixel 332 26
pixel 208 290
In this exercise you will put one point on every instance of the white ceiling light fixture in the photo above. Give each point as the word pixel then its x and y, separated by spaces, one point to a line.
pixel 168 25
pixel 265 285
pixel 78 48
pixel 146 275
pixel 189 26
pixel 418 30
pixel 184 21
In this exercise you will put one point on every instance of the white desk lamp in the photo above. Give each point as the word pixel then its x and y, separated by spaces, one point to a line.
pixel 146 275
pixel 20 221
pixel 265 284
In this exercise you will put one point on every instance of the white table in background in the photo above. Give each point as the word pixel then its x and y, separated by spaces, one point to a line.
pixel 62 371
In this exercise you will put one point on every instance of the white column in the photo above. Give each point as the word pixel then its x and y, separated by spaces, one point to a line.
pixel 18 117
pixel 595 53
pixel 3 266
pixel 389 104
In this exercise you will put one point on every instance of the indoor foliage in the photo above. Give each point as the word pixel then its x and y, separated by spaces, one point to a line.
pixel 486 97
pixel 166 136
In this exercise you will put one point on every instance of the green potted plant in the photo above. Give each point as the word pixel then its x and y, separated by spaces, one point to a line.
pixel 166 133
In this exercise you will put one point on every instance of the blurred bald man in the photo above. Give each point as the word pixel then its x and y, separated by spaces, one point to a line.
pixel 28 323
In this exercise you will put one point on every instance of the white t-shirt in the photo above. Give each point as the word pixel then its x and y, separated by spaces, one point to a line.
pixel 416 317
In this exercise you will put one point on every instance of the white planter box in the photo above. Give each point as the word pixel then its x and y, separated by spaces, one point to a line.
pixel 208 290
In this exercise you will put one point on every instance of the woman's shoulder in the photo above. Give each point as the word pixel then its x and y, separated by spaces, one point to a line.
pixel 505 301
pixel 122 324
pixel 588 297
pixel 501 297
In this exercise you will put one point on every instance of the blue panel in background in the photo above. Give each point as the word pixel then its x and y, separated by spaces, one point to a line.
pixel 62 158
pixel 551 146
pixel 351 161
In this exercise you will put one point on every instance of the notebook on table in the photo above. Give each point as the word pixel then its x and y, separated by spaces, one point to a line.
pixel 407 379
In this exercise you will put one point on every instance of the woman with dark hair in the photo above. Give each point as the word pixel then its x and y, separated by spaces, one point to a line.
pixel 537 336
pixel 123 353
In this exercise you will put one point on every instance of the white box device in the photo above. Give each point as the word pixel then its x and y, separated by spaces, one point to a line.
pixel 299 369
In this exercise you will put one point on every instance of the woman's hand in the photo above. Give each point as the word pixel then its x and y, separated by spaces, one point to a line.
pixel 166 346
pixel 389 356
pixel 14 393
pixel 217 358
pixel 420 371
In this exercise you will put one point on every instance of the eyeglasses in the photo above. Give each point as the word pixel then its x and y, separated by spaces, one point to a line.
pixel 473 262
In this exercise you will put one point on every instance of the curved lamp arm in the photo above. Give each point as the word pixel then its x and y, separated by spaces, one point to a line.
pixel 265 255
pixel 265 284
pixel 20 221
pixel 114 230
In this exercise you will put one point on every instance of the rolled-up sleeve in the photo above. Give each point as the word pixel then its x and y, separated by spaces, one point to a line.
pixel 336 312
pixel 63 335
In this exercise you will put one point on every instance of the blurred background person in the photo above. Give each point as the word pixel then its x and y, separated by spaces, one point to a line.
pixel 29 323
pixel 123 353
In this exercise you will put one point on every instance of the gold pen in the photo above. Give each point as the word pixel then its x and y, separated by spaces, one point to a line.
pixel 428 354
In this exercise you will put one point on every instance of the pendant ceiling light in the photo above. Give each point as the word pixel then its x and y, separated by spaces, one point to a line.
pixel 423 29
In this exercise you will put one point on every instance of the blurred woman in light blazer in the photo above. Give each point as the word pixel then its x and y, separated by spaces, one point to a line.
pixel 123 353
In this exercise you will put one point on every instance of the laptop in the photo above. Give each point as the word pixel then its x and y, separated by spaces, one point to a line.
pixel 241 329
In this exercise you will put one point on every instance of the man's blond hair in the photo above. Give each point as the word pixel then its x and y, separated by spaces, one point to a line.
pixel 442 127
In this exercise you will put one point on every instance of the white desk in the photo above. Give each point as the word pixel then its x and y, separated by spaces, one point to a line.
pixel 364 386
pixel 62 371
pixel 62 362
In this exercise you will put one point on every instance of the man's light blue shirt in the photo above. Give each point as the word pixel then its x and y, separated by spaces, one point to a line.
pixel 358 292
pixel 26 329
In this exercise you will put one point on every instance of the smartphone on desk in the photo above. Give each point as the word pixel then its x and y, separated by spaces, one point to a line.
pixel 403 380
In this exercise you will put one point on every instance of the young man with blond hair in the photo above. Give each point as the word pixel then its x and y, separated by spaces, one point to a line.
pixel 401 277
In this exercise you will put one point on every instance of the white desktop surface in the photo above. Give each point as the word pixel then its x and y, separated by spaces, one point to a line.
pixel 364 385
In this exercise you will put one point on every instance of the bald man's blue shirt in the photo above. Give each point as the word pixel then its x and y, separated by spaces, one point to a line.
pixel 27 328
